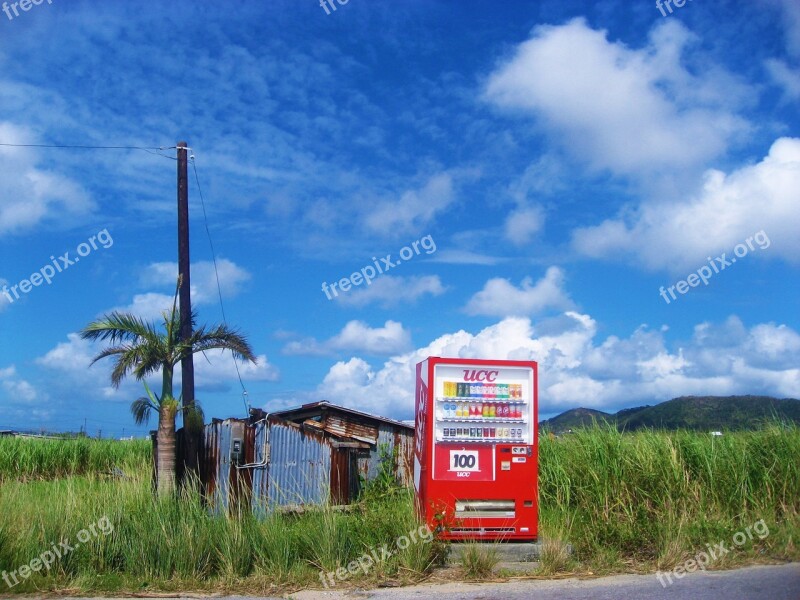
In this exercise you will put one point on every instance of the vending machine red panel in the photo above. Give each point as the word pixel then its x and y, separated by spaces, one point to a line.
pixel 475 457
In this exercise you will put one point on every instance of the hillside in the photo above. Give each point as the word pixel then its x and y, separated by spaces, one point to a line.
pixel 577 417
pixel 703 413
pixel 714 413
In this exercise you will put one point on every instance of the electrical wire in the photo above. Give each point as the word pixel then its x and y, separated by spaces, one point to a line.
pixel 216 275
pixel 86 147
pixel 149 149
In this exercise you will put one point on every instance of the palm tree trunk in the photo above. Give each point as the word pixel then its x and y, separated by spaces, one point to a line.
pixel 166 449
pixel 166 435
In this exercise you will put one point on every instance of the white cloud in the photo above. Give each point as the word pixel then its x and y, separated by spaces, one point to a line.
pixel 791 23
pixel 204 282
pixel 728 210
pixel 29 194
pixel 522 224
pixel 151 305
pixel 18 391
pixel 389 291
pixel 357 336
pixel 465 257
pixel 4 301
pixel 785 77
pixel 632 111
pixel 576 370
pixel 415 208
pixel 500 298
pixel 214 370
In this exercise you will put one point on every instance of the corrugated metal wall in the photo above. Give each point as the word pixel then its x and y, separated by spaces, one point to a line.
pixel 299 470
pixel 284 464
pixel 390 438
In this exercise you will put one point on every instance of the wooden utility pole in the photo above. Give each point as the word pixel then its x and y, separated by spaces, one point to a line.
pixel 185 302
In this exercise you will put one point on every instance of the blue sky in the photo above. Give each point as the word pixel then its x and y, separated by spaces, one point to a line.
pixel 556 163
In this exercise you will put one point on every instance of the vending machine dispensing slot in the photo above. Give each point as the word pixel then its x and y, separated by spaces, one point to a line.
pixel 485 508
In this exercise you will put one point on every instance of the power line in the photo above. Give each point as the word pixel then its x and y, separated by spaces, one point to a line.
pixel 216 275
pixel 149 149
pixel 87 147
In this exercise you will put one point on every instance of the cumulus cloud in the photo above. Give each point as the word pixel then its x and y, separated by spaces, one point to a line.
pixel 415 208
pixel 629 110
pixel 500 298
pixel 31 194
pixel 17 390
pixel 151 305
pixel 729 209
pixel 522 224
pixel 785 77
pixel 357 336
pixel 204 282
pixel 389 291
pixel 4 301
pixel 576 369
pixel 214 369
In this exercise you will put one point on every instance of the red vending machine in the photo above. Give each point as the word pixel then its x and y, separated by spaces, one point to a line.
pixel 475 451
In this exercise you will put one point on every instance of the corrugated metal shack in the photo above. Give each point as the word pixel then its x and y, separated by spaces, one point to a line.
pixel 372 431
pixel 309 455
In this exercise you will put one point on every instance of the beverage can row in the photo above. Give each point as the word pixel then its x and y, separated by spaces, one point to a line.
pixel 488 410
pixel 454 389
pixel 482 433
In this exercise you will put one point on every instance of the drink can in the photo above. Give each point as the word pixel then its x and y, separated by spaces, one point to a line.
pixel 486 432
pixel 478 432
pixel 492 410
pixel 472 432
pixel 492 432
pixel 479 409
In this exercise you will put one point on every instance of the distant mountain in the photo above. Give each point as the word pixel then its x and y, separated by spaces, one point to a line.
pixel 703 413
pixel 577 417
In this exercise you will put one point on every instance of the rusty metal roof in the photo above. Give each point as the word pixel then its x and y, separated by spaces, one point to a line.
pixel 341 418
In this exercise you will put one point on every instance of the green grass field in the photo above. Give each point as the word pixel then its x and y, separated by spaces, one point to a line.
pixel 626 502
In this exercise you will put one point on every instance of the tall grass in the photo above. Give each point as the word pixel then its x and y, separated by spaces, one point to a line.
pixel 660 497
pixel 171 545
pixel 34 458
pixel 638 501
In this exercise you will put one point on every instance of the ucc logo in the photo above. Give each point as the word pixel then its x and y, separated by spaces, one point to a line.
pixel 484 375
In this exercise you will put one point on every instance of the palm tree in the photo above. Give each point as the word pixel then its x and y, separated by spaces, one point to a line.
pixel 139 349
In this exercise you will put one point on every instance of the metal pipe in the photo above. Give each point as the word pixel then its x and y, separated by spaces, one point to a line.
pixel 265 460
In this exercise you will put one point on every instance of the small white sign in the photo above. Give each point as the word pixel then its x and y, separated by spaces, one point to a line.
pixel 464 460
